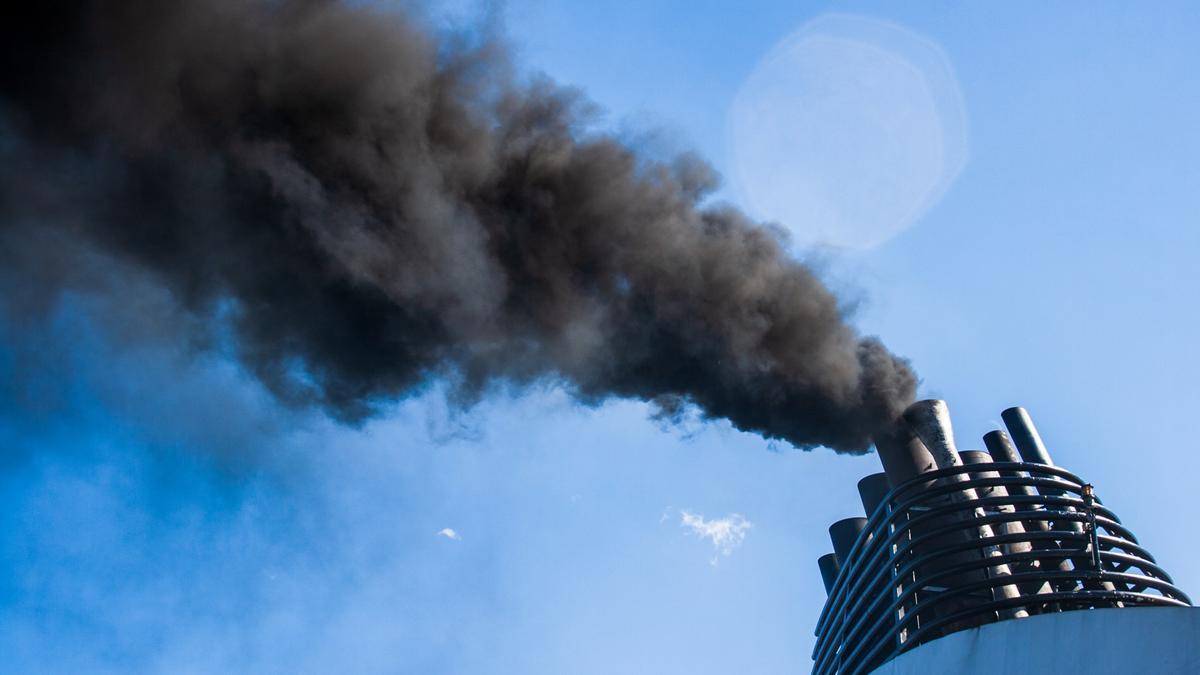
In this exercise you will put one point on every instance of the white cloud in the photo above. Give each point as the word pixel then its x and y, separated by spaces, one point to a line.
pixel 449 534
pixel 725 533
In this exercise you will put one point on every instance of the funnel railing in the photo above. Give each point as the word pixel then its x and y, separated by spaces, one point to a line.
pixel 919 570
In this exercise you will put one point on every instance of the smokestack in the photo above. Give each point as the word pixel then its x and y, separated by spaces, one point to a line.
pixel 1033 450
pixel 981 459
pixel 1026 436
pixel 1000 447
pixel 1001 450
pixel 943 573
pixel 843 534
pixel 829 570
pixel 1012 527
pixel 871 490
pixel 902 454
pixel 975 457
pixel 930 420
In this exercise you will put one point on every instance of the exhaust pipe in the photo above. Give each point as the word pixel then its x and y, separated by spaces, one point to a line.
pixel 1000 446
pixel 904 457
pixel 1033 450
pixel 902 454
pixel 930 420
pixel 843 534
pixel 872 490
pixel 829 570
pixel 1002 450
pixel 1026 436
pixel 982 459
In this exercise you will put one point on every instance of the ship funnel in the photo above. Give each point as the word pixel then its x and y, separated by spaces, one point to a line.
pixel 902 454
pixel 1025 435
pixel 829 570
pixel 1000 447
pixel 843 534
pixel 872 489
pixel 930 421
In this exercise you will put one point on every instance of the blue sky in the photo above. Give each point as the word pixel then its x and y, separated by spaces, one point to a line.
pixel 161 514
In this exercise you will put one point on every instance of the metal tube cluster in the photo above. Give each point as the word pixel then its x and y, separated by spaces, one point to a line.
pixel 960 539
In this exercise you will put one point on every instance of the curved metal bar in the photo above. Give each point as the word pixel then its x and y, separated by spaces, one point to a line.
pixel 857 634
pixel 933 515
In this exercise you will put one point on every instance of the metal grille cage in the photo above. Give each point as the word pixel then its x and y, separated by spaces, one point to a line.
pixel 971 544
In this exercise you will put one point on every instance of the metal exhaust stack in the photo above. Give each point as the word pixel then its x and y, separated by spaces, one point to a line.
pixel 1029 443
pixel 1033 450
pixel 902 454
pixel 1025 435
pixel 963 539
pixel 1011 527
pixel 904 457
pixel 872 490
pixel 828 565
pixel 843 534
pixel 930 420
pixel 1001 449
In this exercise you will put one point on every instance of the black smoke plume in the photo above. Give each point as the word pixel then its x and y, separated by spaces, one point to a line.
pixel 368 205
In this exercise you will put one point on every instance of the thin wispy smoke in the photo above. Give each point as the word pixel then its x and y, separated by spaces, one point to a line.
pixel 360 206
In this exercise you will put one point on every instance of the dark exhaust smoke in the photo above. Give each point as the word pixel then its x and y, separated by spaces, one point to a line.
pixel 364 206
